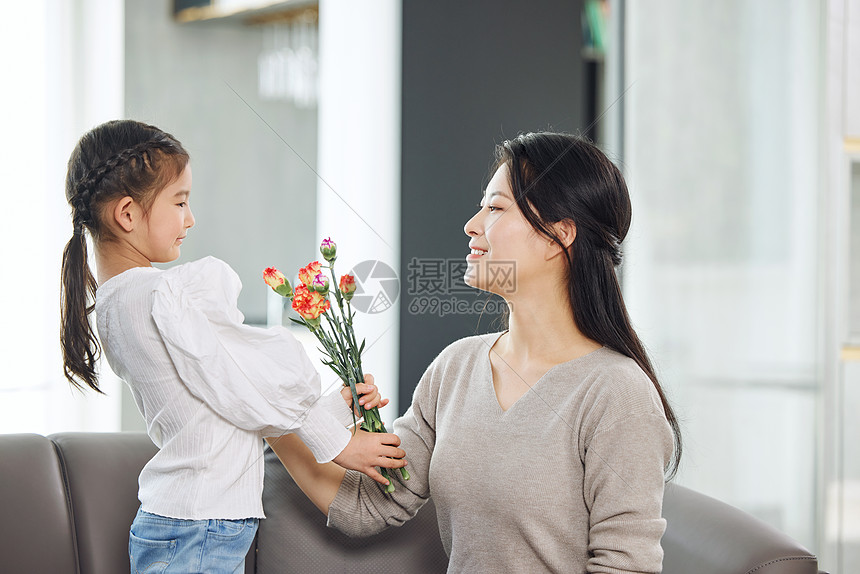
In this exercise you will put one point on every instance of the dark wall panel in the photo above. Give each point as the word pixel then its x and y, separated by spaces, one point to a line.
pixel 474 73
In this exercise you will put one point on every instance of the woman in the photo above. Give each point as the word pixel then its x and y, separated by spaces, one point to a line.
pixel 545 447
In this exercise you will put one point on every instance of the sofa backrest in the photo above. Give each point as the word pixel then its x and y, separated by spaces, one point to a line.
pixel 100 471
pixel 706 536
pixel 69 499
pixel 294 537
pixel 36 533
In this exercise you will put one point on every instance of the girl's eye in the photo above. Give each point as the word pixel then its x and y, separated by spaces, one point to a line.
pixel 182 204
pixel 492 208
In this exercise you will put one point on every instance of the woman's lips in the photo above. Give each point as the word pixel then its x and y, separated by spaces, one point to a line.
pixel 475 254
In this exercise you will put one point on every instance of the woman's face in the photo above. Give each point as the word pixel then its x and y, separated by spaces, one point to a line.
pixel 507 255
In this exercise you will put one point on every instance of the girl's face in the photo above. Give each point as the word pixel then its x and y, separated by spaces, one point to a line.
pixel 507 254
pixel 168 220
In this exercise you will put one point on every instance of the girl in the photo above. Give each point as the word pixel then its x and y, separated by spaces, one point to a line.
pixel 544 447
pixel 209 387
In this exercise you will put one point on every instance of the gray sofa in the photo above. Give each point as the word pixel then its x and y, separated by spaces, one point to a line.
pixel 67 501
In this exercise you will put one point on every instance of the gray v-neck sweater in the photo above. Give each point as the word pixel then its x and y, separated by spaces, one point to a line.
pixel 568 479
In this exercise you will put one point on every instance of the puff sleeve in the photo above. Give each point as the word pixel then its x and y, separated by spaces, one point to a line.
pixel 258 379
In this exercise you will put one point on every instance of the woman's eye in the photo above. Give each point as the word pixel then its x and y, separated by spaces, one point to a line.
pixel 491 208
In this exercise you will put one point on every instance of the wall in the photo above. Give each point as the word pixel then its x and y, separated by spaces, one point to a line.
pixel 253 197
pixel 472 77
pixel 839 474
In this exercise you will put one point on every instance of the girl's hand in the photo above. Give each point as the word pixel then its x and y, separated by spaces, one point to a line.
pixel 368 395
pixel 366 450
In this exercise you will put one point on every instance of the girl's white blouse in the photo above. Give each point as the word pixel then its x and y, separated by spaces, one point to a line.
pixel 210 388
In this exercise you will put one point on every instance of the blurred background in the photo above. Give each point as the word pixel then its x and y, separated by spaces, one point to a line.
pixel 736 124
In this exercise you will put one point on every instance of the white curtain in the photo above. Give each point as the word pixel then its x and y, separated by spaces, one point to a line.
pixel 721 153
pixel 63 74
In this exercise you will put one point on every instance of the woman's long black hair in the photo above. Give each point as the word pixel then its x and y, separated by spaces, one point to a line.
pixel 559 177
pixel 121 158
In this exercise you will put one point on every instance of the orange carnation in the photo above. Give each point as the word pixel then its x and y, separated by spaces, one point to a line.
pixel 309 273
pixel 309 304
pixel 276 280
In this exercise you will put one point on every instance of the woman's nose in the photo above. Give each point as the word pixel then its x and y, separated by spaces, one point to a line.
pixel 471 227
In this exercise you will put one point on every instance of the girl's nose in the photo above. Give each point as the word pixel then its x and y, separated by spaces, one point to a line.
pixel 189 219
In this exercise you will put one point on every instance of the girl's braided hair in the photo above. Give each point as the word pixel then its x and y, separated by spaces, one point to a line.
pixel 121 158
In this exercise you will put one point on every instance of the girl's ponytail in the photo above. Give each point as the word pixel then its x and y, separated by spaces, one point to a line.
pixel 80 346
pixel 121 158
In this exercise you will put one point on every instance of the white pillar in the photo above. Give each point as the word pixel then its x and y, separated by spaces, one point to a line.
pixel 358 189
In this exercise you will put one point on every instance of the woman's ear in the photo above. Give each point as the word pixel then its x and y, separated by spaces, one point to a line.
pixel 566 232
pixel 126 212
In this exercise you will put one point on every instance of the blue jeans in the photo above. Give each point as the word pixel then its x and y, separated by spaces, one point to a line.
pixel 157 544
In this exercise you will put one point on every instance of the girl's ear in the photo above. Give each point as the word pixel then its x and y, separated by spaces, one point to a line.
pixel 126 213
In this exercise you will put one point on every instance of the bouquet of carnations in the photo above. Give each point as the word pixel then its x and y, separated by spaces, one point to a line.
pixel 342 352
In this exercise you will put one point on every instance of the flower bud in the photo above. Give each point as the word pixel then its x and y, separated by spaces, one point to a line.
pixel 276 280
pixel 328 248
pixel 347 286
pixel 320 284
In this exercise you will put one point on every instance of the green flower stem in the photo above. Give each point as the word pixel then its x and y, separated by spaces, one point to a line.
pixel 344 358
pixel 377 420
pixel 340 344
pixel 390 487
pixel 345 328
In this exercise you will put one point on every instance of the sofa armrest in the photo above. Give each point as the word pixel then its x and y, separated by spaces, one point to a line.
pixel 706 536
